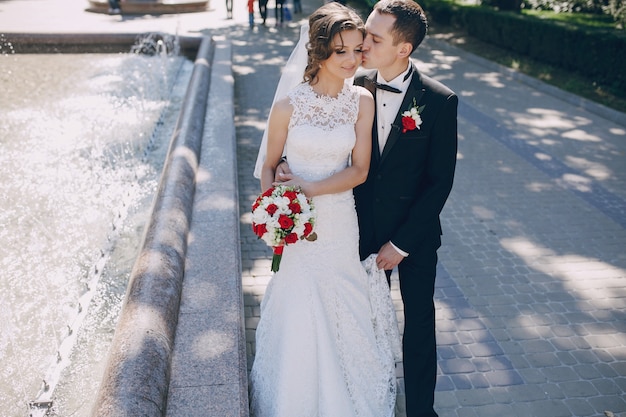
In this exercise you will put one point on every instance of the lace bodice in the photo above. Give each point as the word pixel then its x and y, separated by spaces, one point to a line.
pixel 312 150
pixel 324 112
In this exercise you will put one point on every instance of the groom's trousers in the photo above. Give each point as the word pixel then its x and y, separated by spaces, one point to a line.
pixel 417 286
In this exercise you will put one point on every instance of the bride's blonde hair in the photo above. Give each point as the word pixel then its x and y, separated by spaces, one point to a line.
pixel 326 22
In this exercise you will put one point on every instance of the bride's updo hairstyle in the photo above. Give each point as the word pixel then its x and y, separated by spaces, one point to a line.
pixel 326 22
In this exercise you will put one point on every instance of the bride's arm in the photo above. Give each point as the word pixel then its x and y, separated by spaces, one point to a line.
pixel 277 126
pixel 356 173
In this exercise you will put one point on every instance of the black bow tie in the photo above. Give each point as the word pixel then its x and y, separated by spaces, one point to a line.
pixel 394 89
pixel 387 88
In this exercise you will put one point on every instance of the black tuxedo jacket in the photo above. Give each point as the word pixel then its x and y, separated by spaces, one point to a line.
pixel 407 186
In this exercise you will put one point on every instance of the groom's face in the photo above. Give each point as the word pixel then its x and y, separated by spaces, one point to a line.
pixel 379 50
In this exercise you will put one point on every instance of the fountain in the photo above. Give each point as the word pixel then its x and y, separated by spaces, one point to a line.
pixel 151 6
pixel 81 155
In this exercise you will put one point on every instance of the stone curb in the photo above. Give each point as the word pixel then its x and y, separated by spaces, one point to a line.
pixel 136 379
pixel 208 371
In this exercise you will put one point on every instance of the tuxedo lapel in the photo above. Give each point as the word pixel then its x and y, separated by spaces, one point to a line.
pixel 369 84
pixel 415 91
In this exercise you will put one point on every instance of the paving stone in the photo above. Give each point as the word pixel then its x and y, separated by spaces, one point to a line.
pixel 553 391
pixel 474 397
pixel 444 383
pixel 578 389
pixel 466 412
pixel 585 356
pixel 494 410
pixel 586 371
pixel 543 360
pixel 615 404
pixel 549 408
pixel 461 381
pixel 566 358
pixel 606 386
pixel 537 346
pixel 504 378
pixel 478 381
pixel 560 374
pixel 580 407
pixel 526 392
pixel 447 400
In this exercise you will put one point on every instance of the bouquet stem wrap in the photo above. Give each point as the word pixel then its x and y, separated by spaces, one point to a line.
pixel 278 255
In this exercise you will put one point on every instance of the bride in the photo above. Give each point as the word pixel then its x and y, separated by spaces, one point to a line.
pixel 327 340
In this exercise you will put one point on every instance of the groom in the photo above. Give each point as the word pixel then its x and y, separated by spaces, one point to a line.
pixel 409 180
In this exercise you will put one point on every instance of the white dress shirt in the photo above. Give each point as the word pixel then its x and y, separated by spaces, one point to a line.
pixel 387 107
pixel 388 104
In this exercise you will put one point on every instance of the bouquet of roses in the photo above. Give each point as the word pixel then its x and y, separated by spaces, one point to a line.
pixel 281 216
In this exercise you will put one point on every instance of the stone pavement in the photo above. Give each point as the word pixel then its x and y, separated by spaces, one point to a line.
pixel 531 287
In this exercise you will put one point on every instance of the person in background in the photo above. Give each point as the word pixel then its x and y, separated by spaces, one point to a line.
pixel 114 7
pixel 280 16
pixel 263 10
pixel 229 9
pixel 251 13
pixel 297 6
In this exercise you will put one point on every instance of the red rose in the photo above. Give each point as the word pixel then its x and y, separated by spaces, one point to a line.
pixel 291 238
pixel 308 228
pixel 268 192
pixel 255 205
pixel 271 209
pixel 285 221
pixel 295 207
pixel 291 195
pixel 408 123
pixel 259 229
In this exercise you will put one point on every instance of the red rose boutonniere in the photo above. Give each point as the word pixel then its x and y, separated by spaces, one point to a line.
pixel 411 118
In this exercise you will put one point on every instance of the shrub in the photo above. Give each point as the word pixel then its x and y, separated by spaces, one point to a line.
pixel 598 54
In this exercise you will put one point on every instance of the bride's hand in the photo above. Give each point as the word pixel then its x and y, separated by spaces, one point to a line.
pixel 292 180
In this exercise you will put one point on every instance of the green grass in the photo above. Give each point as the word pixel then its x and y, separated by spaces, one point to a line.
pixel 594 21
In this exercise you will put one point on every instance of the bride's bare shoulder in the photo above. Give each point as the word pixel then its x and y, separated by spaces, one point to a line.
pixel 363 92
pixel 283 106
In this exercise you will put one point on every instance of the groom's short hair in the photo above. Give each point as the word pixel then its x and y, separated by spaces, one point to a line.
pixel 411 23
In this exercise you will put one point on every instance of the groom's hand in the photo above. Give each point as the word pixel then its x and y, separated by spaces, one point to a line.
pixel 282 169
pixel 388 257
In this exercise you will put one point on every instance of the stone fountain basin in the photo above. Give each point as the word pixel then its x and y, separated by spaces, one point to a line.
pixel 141 352
pixel 151 6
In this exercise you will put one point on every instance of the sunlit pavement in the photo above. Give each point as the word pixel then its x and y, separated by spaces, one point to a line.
pixel 531 288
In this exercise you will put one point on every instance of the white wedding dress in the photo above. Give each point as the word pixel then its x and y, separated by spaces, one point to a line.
pixel 327 340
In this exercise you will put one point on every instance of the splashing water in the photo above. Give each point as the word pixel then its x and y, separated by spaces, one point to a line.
pixel 82 143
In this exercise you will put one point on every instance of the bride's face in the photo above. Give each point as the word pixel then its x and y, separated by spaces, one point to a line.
pixel 346 56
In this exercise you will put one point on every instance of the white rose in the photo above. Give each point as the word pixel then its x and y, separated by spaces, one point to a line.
pixel 283 205
pixel 298 229
pixel 269 240
pixel 272 222
pixel 260 216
